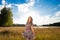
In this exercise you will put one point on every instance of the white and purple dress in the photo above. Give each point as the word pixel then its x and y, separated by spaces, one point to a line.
pixel 28 32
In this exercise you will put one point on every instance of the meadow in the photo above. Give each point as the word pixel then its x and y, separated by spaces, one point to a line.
pixel 15 33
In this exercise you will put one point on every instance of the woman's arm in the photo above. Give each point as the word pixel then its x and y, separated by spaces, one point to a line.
pixel 32 29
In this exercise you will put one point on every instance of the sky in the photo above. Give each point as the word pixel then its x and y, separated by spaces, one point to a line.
pixel 42 11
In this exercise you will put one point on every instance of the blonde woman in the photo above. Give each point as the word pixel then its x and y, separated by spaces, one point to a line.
pixel 29 32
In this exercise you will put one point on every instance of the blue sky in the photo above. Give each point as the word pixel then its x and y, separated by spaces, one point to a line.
pixel 42 11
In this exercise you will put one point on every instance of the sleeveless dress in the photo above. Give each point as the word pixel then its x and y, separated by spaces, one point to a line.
pixel 28 32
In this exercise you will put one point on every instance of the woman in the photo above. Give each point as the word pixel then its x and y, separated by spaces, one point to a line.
pixel 29 32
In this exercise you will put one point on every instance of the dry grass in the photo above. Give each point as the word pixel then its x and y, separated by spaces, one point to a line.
pixel 14 33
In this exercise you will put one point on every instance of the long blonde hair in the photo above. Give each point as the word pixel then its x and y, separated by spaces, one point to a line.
pixel 29 21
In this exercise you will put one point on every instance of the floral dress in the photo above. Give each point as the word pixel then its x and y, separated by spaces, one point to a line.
pixel 28 32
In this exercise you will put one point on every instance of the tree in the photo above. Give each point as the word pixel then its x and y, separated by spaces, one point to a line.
pixel 6 17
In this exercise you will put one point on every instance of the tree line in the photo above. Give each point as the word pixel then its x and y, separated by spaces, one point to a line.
pixel 54 24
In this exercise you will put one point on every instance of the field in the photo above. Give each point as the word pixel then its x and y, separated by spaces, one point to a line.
pixel 14 33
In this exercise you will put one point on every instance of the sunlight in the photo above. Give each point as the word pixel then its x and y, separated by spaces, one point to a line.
pixel 33 14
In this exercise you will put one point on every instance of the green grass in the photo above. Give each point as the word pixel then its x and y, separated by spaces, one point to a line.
pixel 14 33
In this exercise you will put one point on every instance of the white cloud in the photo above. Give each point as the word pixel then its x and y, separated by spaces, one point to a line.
pixel 22 8
pixel 54 19
pixel 9 5
pixel 31 3
pixel 1 7
pixel 25 7
pixel 3 2
pixel 58 13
